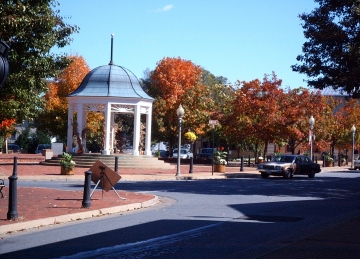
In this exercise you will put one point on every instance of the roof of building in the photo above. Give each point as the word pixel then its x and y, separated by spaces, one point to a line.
pixel 110 81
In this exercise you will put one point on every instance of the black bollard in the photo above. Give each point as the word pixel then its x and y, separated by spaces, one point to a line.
pixel 86 203
pixel 12 212
pixel 191 170
pixel 117 164
pixel 323 157
pixel 249 161
pixel 241 163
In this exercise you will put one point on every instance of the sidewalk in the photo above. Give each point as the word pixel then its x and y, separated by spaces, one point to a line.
pixel 40 206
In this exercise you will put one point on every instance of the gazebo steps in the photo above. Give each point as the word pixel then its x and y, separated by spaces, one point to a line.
pixel 124 161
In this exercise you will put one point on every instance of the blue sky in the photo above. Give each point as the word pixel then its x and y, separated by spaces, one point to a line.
pixel 237 39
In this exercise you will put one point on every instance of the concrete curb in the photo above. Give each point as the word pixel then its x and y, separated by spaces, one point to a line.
pixel 5 229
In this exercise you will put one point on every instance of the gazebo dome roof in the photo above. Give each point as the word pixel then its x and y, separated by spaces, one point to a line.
pixel 110 81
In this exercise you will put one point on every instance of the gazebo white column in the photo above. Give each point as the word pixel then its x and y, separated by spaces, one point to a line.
pixel 80 122
pixel 148 133
pixel 107 114
pixel 84 116
pixel 69 129
pixel 112 137
pixel 136 140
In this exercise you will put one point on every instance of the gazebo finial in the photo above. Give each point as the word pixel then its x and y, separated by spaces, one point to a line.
pixel 111 55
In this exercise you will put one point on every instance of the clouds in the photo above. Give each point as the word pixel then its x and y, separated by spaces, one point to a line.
pixel 164 9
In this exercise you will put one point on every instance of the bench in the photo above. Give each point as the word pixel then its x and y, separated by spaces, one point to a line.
pixel 2 185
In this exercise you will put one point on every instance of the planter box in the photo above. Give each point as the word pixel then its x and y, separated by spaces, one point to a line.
pixel 67 171
pixel 329 163
pixel 219 168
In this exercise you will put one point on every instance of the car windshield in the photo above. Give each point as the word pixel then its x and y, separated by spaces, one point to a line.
pixel 286 159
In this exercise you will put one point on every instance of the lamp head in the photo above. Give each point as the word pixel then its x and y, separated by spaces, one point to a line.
pixel 180 111
pixel 311 121
pixel 353 129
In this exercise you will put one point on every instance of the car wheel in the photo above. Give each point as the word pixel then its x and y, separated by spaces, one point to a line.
pixel 264 175
pixel 312 173
pixel 287 173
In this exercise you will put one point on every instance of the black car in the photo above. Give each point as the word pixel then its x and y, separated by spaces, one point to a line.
pixel 289 165
pixel 13 148
pixel 206 153
pixel 41 147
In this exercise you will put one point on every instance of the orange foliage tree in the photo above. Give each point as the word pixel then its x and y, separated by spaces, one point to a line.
pixel 53 119
pixel 173 82
pixel 7 127
pixel 347 115
pixel 255 116
pixel 297 107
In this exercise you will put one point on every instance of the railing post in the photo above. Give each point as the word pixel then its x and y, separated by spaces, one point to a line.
pixel 191 169
pixel 12 212
pixel 86 203
pixel 242 164
pixel 117 164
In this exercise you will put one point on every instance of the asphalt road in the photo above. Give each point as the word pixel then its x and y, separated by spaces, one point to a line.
pixel 230 218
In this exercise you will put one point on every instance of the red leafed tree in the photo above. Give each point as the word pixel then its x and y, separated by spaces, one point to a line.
pixel 297 107
pixel 7 127
pixel 173 82
pixel 256 111
pixel 172 77
pixel 341 136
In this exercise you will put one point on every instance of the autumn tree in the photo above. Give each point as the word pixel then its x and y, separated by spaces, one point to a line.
pixel 346 116
pixel 173 82
pixel 331 53
pixel 31 29
pixel 53 119
pixel 297 107
pixel 7 127
pixel 256 111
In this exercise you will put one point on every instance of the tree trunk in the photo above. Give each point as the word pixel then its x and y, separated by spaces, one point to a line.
pixel 265 149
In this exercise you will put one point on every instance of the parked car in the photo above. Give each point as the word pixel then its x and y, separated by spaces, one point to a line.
pixel 357 163
pixel 13 148
pixel 206 153
pixel 288 166
pixel 40 148
pixel 184 153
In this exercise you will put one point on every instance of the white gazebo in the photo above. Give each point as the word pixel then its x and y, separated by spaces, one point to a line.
pixel 110 89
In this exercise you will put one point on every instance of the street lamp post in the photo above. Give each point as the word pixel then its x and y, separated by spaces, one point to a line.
pixel 180 113
pixel 353 129
pixel 311 123
pixel 213 123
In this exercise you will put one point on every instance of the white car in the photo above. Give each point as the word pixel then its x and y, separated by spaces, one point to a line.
pixel 357 163
pixel 184 153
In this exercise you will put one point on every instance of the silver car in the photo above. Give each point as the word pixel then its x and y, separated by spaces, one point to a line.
pixel 357 163
pixel 289 165
pixel 184 153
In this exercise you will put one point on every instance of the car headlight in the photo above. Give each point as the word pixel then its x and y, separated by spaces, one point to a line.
pixel 277 167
